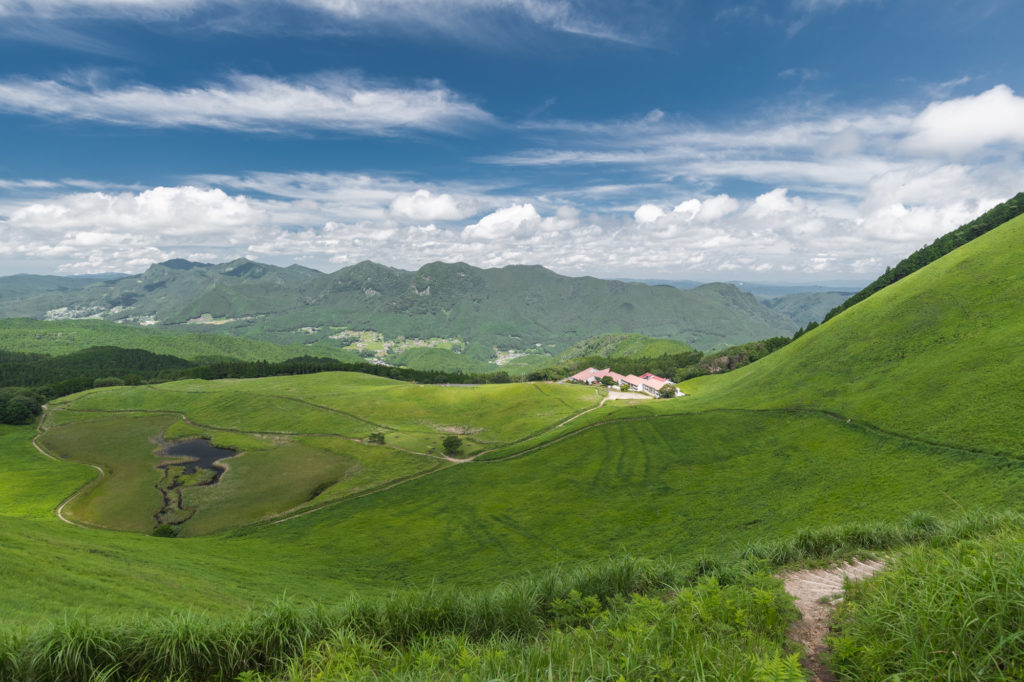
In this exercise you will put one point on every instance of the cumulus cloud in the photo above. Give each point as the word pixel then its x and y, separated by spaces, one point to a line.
pixel 516 221
pixel 836 192
pixel 713 208
pixel 968 124
pixel 422 205
pixel 186 211
pixel 329 101
pixel 648 213
pixel 101 231
pixel 777 233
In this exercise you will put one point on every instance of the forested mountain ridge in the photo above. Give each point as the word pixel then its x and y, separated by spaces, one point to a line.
pixel 514 307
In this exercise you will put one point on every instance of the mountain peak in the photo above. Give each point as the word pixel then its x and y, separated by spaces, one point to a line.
pixel 181 264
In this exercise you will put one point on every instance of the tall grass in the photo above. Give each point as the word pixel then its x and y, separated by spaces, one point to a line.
pixel 624 616
pixel 707 631
pixel 954 612
pixel 833 542
pixel 198 646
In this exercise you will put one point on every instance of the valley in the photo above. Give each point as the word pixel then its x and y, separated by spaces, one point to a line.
pixel 430 527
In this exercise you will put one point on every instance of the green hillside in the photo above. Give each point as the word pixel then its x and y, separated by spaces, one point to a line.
pixel 935 357
pixel 60 337
pixel 992 218
pixel 522 308
pixel 305 440
pixel 804 307
pixel 623 346
pixel 863 434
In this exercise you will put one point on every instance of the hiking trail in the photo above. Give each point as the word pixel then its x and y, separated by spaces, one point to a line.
pixel 816 592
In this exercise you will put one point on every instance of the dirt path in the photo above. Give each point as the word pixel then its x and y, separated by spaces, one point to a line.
pixel 817 591
pixel 88 486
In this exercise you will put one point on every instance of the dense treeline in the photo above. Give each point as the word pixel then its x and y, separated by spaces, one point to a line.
pixel 33 369
pixel 937 249
pixel 19 405
pixel 734 357
pixel 311 365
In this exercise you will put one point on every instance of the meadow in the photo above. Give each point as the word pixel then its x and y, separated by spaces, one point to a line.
pixel 305 441
pixel 891 429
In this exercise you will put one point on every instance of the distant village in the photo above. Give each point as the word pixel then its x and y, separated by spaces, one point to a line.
pixel 648 383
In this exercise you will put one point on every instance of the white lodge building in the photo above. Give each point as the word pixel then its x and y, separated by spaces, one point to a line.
pixel 648 383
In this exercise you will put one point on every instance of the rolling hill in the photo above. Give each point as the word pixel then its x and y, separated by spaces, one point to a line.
pixel 904 404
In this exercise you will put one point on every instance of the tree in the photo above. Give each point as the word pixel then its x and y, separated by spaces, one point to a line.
pixel 451 445
pixel 667 391
pixel 607 381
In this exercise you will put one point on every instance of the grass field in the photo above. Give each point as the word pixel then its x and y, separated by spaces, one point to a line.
pixel 904 406
pixel 304 440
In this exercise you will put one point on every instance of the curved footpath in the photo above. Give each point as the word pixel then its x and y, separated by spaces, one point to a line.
pixel 91 484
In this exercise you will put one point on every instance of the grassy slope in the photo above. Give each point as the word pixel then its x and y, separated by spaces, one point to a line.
pixel 936 356
pixel 676 484
pixel 67 336
pixel 948 612
pixel 624 346
pixel 300 438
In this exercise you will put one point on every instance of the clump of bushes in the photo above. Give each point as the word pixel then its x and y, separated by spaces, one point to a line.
pixel 19 405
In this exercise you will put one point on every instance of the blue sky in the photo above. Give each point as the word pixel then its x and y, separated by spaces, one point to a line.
pixel 785 140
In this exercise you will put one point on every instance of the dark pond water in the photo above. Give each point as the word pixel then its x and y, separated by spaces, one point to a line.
pixel 202 453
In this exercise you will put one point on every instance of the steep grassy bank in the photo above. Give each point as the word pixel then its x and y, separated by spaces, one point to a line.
pixel 936 356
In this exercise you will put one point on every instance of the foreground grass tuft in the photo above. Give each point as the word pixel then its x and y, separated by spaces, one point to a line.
pixel 952 612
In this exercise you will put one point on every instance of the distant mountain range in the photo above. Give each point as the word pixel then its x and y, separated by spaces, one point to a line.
pixel 466 310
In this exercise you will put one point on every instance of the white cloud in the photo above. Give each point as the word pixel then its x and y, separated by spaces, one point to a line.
pixel 968 124
pixel 187 211
pixel 330 101
pixel 835 190
pixel 648 213
pixel 422 205
pixel 516 221
pixel 776 201
pixel 776 234
pixel 710 209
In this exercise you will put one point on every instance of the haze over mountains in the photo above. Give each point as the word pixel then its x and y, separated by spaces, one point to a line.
pixel 527 308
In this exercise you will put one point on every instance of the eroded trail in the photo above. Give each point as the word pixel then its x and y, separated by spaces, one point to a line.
pixel 816 592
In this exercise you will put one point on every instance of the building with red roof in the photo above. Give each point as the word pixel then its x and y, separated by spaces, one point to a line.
pixel 647 383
